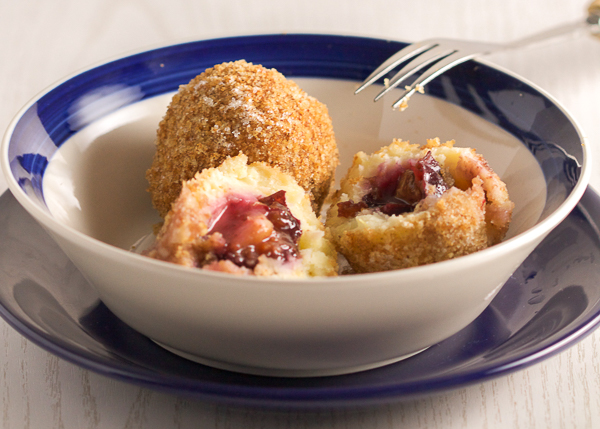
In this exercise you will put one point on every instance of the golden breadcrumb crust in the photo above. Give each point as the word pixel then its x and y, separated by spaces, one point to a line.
pixel 239 107
pixel 472 215
pixel 452 226
pixel 184 233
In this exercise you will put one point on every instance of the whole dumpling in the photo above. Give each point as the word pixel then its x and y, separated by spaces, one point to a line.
pixel 238 107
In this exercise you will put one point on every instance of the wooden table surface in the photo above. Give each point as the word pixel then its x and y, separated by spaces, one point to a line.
pixel 42 41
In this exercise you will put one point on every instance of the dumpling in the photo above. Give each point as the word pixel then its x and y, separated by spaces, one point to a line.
pixel 246 220
pixel 408 205
pixel 239 107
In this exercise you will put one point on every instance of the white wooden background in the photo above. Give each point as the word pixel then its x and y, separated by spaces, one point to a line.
pixel 41 41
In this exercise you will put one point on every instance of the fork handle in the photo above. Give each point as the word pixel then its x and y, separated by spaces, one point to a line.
pixel 592 21
pixel 550 35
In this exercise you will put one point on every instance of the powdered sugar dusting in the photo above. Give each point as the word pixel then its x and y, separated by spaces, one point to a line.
pixel 240 107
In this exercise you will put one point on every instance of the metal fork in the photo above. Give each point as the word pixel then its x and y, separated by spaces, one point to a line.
pixel 441 55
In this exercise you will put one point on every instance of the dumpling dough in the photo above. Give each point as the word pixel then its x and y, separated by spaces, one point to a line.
pixel 246 220
pixel 408 205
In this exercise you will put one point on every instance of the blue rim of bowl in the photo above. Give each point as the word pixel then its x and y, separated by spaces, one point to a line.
pixel 489 92
pixel 163 69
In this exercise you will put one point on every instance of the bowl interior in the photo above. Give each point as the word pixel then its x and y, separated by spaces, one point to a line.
pixel 81 150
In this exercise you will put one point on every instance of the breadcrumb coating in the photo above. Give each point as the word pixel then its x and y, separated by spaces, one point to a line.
pixel 472 214
pixel 239 107
pixel 185 237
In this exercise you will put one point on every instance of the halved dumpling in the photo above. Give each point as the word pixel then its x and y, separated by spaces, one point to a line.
pixel 409 205
pixel 247 220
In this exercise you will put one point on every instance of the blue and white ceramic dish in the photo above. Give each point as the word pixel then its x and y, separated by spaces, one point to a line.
pixel 75 159
pixel 549 303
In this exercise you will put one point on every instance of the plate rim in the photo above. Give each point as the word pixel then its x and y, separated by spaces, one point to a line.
pixel 296 397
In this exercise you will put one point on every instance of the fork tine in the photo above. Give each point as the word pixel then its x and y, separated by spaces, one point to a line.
pixel 402 102
pixel 398 58
pixel 420 62
pixel 434 71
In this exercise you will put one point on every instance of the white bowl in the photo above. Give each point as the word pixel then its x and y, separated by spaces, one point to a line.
pixel 75 158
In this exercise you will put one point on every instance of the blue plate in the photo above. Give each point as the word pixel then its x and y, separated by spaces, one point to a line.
pixel 551 301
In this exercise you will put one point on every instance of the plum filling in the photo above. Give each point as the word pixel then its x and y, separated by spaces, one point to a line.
pixel 397 188
pixel 250 228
